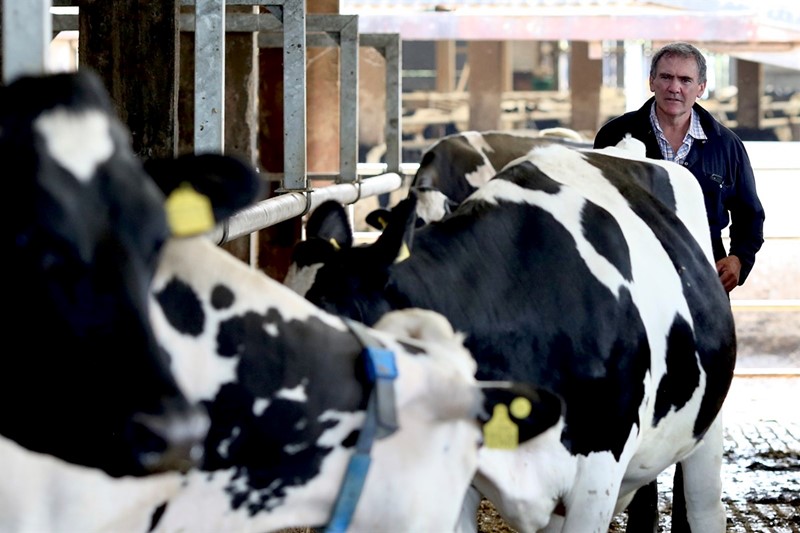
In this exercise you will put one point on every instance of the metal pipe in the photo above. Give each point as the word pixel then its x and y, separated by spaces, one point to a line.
pixel 289 205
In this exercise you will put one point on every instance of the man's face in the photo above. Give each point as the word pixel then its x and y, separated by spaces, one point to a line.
pixel 676 85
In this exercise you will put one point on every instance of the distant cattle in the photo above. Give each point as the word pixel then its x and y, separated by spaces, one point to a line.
pixel 572 270
pixel 302 405
pixel 83 378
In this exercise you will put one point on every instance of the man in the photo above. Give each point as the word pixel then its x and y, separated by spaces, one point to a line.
pixel 674 127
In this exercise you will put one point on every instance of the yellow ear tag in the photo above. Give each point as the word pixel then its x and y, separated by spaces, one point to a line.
pixel 501 432
pixel 189 212
pixel 335 244
pixel 520 407
pixel 403 254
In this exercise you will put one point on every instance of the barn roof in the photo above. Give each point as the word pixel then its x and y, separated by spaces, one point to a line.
pixel 765 30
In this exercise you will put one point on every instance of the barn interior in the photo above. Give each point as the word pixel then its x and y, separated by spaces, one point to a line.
pixel 338 98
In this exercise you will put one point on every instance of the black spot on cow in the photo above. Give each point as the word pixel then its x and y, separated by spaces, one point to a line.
pixel 683 374
pixel 529 176
pixel 181 307
pixel 412 349
pixel 652 178
pixel 156 516
pixel 277 435
pixel 222 297
pixel 610 242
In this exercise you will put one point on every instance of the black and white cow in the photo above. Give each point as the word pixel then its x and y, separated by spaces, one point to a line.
pixel 567 273
pixel 455 165
pixel 286 386
pixel 83 378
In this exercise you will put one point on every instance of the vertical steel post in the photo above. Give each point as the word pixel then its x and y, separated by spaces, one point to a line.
pixel 27 32
pixel 209 76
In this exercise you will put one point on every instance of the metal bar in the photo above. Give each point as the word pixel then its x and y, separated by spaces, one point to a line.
pixel 209 76
pixel 388 44
pixel 348 98
pixel 371 169
pixel 238 22
pixel 27 31
pixel 240 2
pixel 292 204
pixel 274 39
pixel 294 96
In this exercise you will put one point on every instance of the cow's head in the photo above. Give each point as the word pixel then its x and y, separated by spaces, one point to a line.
pixel 88 382
pixel 353 278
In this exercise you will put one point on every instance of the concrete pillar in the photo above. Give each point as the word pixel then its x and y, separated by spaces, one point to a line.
pixel 506 66
pixel 585 80
pixel 485 84
pixel 750 82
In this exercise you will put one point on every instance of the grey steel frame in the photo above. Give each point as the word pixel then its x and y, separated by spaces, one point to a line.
pixel 286 25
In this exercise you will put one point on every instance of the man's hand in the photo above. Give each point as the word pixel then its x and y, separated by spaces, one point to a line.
pixel 728 269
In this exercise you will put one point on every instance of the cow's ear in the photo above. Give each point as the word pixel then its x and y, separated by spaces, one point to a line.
pixel 514 413
pixel 378 218
pixel 228 182
pixel 330 223
pixel 394 244
pixel 427 174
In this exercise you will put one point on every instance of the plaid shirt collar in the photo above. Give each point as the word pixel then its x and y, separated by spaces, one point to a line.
pixel 695 133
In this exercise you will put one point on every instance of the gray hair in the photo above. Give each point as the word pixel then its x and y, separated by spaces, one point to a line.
pixel 681 50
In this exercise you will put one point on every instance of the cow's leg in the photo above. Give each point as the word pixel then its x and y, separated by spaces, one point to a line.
pixel 643 510
pixel 468 519
pixel 591 504
pixel 702 483
pixel 680 523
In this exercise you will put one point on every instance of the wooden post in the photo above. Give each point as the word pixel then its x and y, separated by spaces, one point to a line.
pixel 485 84
pixel 586 78
pixel 445 66
pixel 750 82
pixel 133 46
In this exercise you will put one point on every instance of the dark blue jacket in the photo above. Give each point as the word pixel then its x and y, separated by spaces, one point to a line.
pixel 722 167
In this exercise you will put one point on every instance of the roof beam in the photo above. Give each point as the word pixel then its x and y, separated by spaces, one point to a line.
pixel 725 27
